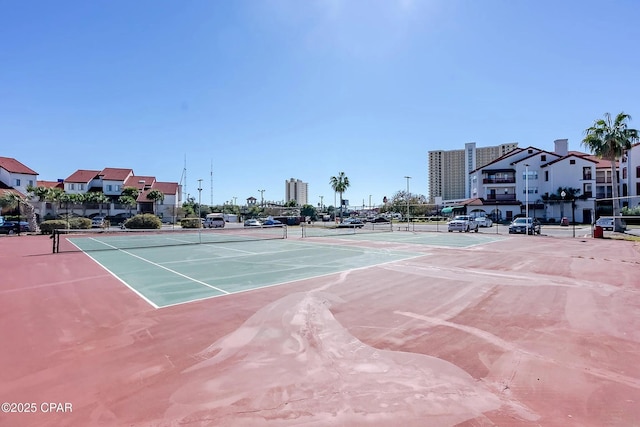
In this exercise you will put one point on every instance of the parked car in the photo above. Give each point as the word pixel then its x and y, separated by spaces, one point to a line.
pixel 483 221
pixel 252 223
pixel 98 222
pixel 351 223
pixel 380 219
pixel 607 223
pixel 214 222
pixel 272 222
pixel 525 226
pixel 462 223
pixel 10 227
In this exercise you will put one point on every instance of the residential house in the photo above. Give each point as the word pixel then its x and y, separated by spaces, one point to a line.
pixel 527 180
pixel 15 176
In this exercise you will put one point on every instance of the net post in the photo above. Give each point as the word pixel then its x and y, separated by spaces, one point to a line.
pixel 55 237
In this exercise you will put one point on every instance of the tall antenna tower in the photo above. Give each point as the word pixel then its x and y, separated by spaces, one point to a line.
pixel 211 182
pixel 183 179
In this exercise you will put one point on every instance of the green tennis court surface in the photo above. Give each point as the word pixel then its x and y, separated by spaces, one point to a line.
pixel 442 239
pixel 169 275
pixel 166 276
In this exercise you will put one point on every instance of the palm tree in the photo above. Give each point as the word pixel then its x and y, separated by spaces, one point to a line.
pixel 609 139
pixel 156 196
pixel 339 184
pixel 102 199
pixel 10 201
pixel 129 197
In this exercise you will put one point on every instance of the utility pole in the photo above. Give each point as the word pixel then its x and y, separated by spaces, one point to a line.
pixel 408 178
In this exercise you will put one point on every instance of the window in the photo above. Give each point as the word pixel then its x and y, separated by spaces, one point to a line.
pixel 17 182
pixel 31 182
pixel 586 173
pixel 81 187
pixel 72 186
pixel 546 175
pixel 624 173
pixel 637 171
pixel 543 157
pixel 109 187
pixel 572 161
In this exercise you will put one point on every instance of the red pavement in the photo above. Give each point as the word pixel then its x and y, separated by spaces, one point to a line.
pixel 523 332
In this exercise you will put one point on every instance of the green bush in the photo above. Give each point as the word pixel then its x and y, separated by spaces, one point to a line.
pixel 190 223
pixel 79 223
pixel 146 221
pixel 47 227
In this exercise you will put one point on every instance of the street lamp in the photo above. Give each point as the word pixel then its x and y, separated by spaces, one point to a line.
pixel 199 200
pixel 261 198
pixel 526 192
pixel 407 178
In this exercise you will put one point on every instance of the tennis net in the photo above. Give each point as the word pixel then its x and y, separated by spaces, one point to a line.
pixel 117 239
pixel 332 230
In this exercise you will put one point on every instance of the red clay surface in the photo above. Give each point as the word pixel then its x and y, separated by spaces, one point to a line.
pixel 522 332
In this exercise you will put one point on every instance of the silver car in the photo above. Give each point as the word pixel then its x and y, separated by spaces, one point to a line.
pixel 462 223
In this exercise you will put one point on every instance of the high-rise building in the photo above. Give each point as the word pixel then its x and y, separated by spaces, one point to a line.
pixel 296 190
pixel 449 170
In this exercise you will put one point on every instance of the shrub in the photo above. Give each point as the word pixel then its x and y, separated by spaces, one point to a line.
pixel 79 223
pixel 191 223
pixel 148 221
pixel 47 227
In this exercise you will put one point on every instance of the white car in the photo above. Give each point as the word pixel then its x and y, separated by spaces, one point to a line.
pixel 606 222
pixel 483 221
pixel 462 223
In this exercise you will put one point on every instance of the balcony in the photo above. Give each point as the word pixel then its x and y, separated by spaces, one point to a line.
pixel 602 180
pixel 501 197
pixel 508 180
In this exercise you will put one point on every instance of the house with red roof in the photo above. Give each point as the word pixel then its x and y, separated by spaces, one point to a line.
pixel 527 180
pixel 15 177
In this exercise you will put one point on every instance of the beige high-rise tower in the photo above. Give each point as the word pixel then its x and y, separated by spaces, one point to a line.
pixel 449 170
pixel 296 190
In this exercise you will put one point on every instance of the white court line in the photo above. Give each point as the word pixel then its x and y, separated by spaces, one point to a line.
pixel 293 281
pixel 163 267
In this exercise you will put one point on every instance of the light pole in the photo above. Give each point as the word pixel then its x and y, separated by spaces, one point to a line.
pixel 199 199
pixel 526 191
pixel 199 210
pixel 369 201
pixel 408 178
pixel 321 205
pixel 261 198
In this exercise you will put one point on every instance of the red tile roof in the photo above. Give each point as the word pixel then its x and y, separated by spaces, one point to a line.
pixel 12 165
pixel 139 182
pixel 166 187
pixel 83 176
pixel 116 174
pixel 5 189
pixel 50 184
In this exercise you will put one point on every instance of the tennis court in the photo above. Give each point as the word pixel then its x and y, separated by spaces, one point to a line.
pixel 169 268
pixel 442 329
pixel 172 275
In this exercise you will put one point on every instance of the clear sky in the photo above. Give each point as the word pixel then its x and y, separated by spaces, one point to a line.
pixel 261 91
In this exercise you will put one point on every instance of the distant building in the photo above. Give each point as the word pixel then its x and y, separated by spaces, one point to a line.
pixel 449 170
pixel 296 190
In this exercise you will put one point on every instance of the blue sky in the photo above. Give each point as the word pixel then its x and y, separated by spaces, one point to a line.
pixel 262 91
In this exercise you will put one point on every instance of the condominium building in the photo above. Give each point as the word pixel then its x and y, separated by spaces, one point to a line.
pixel 296 190
pixel 449 170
